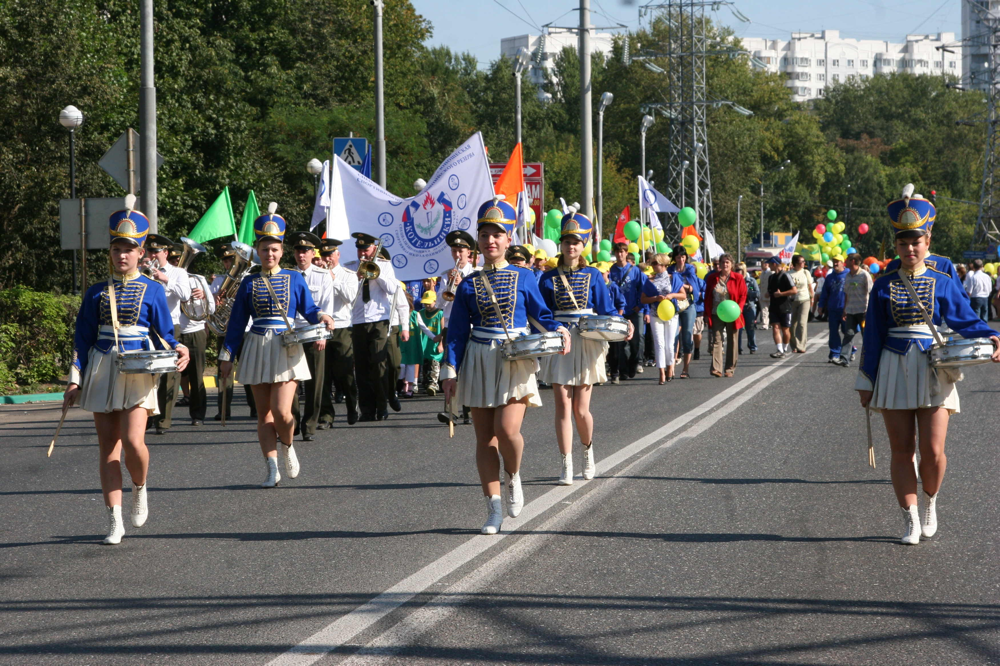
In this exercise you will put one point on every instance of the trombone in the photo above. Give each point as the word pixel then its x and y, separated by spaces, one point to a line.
pixel 368 270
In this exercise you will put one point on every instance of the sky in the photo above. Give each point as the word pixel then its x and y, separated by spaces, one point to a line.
pixel 480 24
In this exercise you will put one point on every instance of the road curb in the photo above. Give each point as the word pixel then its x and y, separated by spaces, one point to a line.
pixel 30 397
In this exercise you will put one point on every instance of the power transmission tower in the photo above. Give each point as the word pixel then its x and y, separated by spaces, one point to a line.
pixel 989 197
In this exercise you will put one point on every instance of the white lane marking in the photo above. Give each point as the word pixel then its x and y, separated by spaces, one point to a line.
pixel 342 630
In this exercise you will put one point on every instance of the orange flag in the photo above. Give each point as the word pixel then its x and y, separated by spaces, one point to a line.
pixel 511 182
pixel 691 231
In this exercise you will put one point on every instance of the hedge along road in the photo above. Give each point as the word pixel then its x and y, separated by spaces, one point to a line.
pixel 381 518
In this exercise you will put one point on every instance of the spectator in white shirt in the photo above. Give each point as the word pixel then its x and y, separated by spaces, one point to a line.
pixel 978 286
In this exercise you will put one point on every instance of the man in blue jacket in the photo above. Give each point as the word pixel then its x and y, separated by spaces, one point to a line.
pixel 831 302
pixel 624 357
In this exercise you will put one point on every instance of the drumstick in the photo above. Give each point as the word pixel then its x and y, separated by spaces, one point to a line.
pixel 52 444
pixel 871 446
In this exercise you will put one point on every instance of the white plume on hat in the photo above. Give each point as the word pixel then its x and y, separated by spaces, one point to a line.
pixel 130 202
pixel 272 207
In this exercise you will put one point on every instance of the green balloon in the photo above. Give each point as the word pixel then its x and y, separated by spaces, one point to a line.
pixel 729 311
pixel 662 247
pixel 825 257
pixel 635 255
pixel 831 215
pixel 604 255
pixel 553 218
pixel 605 245
pixel 633 230
pixel 845 244
pixel 687 216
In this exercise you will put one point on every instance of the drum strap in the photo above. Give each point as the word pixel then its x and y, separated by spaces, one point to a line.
pixel 274 297
pixel 920 306
pixel 495 302
pixel 576 306
pixel 112 301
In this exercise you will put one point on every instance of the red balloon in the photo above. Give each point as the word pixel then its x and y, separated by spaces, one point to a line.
pixel 869 261
pixel 821 228
pixel 863 228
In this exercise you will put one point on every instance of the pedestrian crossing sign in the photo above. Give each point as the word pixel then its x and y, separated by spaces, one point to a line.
pixel 352 150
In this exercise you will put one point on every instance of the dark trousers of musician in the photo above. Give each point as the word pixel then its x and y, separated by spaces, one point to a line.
pixel 624 357
pixel 196 342
pixel 307 417
pixel 339 373
pixel 395 360
pixel 166 393
pixel 371 360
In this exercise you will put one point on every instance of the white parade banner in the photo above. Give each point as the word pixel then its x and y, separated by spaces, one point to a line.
pixel 413 229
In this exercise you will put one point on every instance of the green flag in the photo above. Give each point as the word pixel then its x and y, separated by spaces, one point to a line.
pixel 218 220
pixel 250 213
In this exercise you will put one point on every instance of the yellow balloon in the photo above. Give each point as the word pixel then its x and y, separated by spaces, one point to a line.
pixel 701 270
pixel 586 250
pixel 657 235
pixel 648 270
pixel 632 247
pixel 647 234
pixel 665 310
pixel 690 244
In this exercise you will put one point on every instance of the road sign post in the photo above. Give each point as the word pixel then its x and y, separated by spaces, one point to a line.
pixel 120 161
pixel 352 150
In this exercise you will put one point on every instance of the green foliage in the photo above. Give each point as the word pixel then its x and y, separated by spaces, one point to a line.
pixel 36 335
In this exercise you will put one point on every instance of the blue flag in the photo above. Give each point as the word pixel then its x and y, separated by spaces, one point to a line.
pixel 366 166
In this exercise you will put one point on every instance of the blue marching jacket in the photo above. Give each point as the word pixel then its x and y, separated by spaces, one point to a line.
pixel 935 261
pixel 253 300
pixel 141 306
pixel 588 287
pixel 473 316
pixel 891 307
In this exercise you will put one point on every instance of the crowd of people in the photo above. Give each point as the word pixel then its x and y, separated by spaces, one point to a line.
pixel 325 332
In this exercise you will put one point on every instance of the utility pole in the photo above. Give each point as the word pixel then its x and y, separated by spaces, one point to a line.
pixel 147 115
pixel 586 122
pixel 379 5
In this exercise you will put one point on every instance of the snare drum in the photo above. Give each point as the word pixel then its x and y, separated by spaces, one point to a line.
pixel 958 352
pixel 305 334
pixel 610 329
pixel 143 362
pixel 532 346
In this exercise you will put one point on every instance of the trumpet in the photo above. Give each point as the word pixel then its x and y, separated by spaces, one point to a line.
pixel 451 288
pixel 244 261
pixel 195 309
pixel 368 270
pixel 150 268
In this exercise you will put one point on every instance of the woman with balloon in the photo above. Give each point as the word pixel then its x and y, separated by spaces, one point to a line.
pixel 725 296
pixel 662 292
pixel 692 289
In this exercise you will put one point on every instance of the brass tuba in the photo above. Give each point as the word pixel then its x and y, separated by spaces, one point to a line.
pixel 243 262
pixel 195 309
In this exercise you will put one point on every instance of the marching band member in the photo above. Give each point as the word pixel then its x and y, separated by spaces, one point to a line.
pixel 320 286
pixel 227 255
pixel 895 376
pixel 114 316
pixel 270 368
pixel 339 372
pixel 462 246
pixel 195 337
pixel 399 327
pixel 178 289
pixel 370 332
pixel 498 391
pixel 519 256
pixel 571 290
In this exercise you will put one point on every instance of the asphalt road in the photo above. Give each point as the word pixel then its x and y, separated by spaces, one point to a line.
pixel 733 521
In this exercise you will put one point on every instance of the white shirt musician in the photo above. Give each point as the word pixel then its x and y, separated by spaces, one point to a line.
pixel 189 325
pixel 174 280
pixel 377 306
pixel 462 244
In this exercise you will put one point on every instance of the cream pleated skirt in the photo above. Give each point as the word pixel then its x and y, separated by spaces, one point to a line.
pixel 582 366
pixel 264 360
pixel 486 380
pixel 908 382
pixel 106 390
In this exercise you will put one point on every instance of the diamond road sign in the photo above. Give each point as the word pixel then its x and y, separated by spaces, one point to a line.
pixel 117 160
pixel 98 211
pixel 352 150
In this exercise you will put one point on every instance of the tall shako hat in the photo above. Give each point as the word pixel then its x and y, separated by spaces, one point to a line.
pixel 912 213
pixel 270 225
pixel 577 225
pixel 129 224
pixel 499 212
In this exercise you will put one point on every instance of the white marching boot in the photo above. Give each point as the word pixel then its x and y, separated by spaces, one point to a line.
pixel 911 517
pixel 494 515
pixel 567 470
pixel 272 472
pixel 515 496
pixel 929 526
pixel 291 461
pixel 116 526
pixel 140 509
pixel 589 466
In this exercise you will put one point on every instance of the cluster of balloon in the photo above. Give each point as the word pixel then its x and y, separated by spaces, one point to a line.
pixel 831 243
pixel 991 269
pixel 604 250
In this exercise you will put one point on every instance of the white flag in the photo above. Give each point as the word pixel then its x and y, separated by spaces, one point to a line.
pixel 714 249
pixel 789 249
pixel 413 229
pixel 650 198
pixel 654 221
pixel 322 197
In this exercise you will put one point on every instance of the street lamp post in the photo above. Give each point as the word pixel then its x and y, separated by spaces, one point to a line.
pixel 606 99
pixel 739 228
pixel 521 61
pixel 379 5
pixel 698 222
pixel 684 167
pixel 780 167
pixel 71 118
pixel 315 168
pixel 647 122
